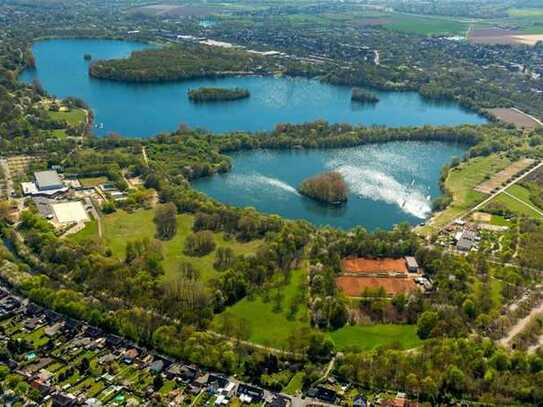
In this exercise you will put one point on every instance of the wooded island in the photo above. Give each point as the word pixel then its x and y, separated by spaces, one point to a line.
pixel 200 95
pixel 328 187
pixel 363 96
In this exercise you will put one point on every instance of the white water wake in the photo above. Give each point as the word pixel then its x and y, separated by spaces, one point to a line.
pixel 258 181
pixel 379 186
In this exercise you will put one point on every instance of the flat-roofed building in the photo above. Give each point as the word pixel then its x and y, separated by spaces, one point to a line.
pixel 412 265
pixel 69 212
pixel 48 180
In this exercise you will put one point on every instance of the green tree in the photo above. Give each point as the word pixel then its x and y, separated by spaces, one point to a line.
pixel 426 323
pixel 166 221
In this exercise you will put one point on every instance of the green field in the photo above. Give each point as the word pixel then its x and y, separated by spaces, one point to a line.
pixel 426 25
pixel 514 205
pixel 122 227
pixel 367 337
pixel 266 326
pixel 461 181
pixel 72 117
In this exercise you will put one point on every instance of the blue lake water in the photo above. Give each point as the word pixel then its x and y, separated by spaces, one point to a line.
pixel 388 183
pixel 148 109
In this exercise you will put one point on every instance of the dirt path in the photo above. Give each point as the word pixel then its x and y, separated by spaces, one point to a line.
pixel 533 208
pixel 144 153
pixel 520 325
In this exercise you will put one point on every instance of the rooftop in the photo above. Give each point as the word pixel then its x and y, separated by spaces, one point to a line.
pixel 47 180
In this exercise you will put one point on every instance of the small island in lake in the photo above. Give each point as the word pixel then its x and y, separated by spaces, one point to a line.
pixel 363 96
pixel 328 187
pixel 87 57
pixel 217 94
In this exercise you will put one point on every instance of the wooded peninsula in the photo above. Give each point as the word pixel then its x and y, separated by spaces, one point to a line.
pixel 178 62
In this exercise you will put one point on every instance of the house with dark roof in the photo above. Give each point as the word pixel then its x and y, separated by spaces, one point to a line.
pixel 63 400
pixel 250 394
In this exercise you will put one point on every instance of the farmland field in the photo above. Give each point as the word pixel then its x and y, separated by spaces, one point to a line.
pixel 425 25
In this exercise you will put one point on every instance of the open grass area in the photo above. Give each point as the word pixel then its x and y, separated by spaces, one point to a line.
pixel 426 25
pixel 268 327
pixel 121 227
pixel 461 181
pixel 72 117
pixel 514 205
pixel 92 181
pixel 90 231
pixel 367 337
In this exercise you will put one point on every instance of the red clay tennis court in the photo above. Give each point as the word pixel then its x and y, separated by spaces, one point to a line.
pixel 364 265
pixel 355 286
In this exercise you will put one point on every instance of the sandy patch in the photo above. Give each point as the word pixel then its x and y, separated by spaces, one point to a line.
pixel 516 117
pixel 529 39
pixel 355 286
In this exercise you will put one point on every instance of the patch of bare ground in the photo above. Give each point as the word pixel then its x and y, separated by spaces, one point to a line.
pixel 500 36
pixel 170 11
pixel 515 117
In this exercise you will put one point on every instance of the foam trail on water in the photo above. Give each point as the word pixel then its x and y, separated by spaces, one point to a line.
pixel 277 183
pixel 259 180
pixel 379 186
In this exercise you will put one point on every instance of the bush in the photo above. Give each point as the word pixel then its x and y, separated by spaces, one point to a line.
pixel 199 243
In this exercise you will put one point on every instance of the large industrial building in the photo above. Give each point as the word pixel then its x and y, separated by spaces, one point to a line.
pixel 46 183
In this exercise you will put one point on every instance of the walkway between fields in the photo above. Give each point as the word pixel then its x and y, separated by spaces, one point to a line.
pixel 533 208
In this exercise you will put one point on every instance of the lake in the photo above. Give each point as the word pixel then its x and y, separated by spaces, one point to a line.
pixel 147 109
pixel 388 183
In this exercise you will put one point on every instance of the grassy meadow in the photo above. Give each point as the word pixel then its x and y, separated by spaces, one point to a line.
pixel 121 227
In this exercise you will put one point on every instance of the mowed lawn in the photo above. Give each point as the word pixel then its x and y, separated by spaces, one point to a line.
pixel 266 326
pixel 72 117
pixel 461 181
pixel 367 337
pixel 514 205
pixel 122 227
